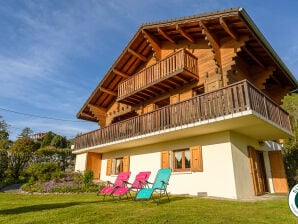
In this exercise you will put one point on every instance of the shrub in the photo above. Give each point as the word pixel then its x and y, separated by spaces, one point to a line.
pixel 87 177
pixel 69 182
pixel 44 171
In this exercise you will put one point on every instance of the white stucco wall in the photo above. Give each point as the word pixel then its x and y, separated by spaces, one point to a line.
pixel 217 179
pixel 241 165
pixel 226 168
pixel 243 178
pixel 81 160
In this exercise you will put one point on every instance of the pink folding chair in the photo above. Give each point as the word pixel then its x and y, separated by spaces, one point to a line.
pixel 120 182
pixel 139 183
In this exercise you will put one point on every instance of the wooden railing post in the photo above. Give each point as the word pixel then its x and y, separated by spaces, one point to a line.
pixel 160 70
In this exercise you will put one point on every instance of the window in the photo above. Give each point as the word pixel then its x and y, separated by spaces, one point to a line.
pixel 188 159
pixel 117 165
pixel 181 160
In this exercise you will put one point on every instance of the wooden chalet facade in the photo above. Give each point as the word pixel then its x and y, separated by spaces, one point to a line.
pixel 199 94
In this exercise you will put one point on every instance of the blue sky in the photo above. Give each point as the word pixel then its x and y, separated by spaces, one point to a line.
pixel 54 53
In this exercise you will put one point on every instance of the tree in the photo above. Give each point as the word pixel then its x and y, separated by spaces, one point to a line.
pixel 4 141
pixel 3 125
pixel 26 133
pixel 59 142
pixel 20 154
pixel 4 135
pixel 47 139
pixel 290 104
pixel 3 163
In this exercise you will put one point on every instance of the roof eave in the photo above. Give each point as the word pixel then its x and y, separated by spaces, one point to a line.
pixel 262 40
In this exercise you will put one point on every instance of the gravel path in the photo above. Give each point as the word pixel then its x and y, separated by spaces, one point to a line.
pixel 14 188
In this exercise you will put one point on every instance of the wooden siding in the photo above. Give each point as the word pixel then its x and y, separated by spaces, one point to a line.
pixel 238 97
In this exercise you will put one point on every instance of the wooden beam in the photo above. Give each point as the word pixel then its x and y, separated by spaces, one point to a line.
pixel 211 38
pixel 128 102
pixel 166 36
pixel 184 34
pixel 179 78
pixel 132 100
pixel 88 116
pixel 97 109
pixel 213 42
pixel 117 72
pixel 172 82
pixel 138 96
pixel 139 56
pixel 253 57
pixel 229 31
pixel 154 43
pixel 196 77
pixel 278 81
pixel 158 88
pixel 99 113
pixel 165 85
pixel 150 92
pixel 108 91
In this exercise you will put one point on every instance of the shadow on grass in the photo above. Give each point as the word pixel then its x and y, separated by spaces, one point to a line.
pixel 152 200
pixel 40 207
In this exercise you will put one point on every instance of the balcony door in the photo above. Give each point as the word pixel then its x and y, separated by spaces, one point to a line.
pixel 258 171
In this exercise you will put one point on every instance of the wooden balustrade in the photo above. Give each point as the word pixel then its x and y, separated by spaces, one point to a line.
pixel 165 68
pixel 238 97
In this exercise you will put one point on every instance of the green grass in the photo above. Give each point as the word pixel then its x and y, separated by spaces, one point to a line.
pixel 88 208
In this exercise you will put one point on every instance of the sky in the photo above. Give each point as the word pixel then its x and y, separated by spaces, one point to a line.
pixel 54 53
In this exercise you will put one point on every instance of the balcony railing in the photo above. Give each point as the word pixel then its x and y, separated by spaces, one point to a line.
pixel 174 64
pixel 238 97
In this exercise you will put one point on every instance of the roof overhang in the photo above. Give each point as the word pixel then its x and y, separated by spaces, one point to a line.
pixel 147 37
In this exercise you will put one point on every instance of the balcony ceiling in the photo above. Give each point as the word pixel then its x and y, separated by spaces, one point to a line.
pixel 220 26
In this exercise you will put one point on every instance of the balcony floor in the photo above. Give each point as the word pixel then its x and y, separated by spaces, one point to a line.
pixel 248 123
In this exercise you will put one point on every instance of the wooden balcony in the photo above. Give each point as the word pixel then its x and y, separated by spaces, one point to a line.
pixel 170 72
pixel 241 106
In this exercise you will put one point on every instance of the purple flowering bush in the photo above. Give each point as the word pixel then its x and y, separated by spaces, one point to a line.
pixel 68 182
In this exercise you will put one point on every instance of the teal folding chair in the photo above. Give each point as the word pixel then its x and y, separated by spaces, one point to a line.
pixel 160 186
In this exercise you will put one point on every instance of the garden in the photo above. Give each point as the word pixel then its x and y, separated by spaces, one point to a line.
pixel 42 166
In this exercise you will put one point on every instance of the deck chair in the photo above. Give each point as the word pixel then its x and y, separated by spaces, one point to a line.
pixel 120 181
pixel 160 185
pixel 139 183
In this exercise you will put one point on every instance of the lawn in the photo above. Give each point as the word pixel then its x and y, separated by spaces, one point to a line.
pixel 88 208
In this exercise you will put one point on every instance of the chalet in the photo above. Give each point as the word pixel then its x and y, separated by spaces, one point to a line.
pixel 199 94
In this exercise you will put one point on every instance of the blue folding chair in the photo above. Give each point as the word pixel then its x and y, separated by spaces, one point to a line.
pixel 160 185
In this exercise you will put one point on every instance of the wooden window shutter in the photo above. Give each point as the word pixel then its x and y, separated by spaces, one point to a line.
pixel 279 177
pixel 125 163
pixel 196 158
pixel 109 167
pixel 165 159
